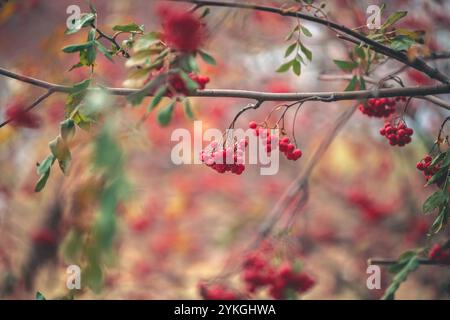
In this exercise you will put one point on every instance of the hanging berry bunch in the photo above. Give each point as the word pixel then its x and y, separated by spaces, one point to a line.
pixel 226 158
pixel 428 168
pixel 379 107
pixel 398 134
pixel 282 282
pixel 440 253
pixel 273 141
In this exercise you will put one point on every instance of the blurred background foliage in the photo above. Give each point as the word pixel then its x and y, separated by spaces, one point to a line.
pixel 177 225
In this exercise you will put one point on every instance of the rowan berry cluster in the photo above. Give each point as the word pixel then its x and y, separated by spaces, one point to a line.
pixel 398 134
pixel 427 168
pixel 44 236
pixel 272 141
pixel 258 273
pixel 182 30
pixel 217 292
pixel 21 117
pixel 439 254
pixel 378 107
pixel 225 159
pixel 177 85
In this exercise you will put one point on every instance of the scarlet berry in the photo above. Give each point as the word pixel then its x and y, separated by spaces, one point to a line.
pixel 398 135
pixel 252 125
pixel 20 117
pixel 382 107
pixel 183 30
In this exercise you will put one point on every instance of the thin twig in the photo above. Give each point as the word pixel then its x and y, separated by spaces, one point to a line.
pixel 384 262
pixel 418 63
pixel 258 95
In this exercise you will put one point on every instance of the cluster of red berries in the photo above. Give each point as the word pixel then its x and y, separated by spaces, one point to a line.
pixel 182 30
pixel 20 117
pixel 378 107
pixel 370 210
pixel 44 237
pixel 398 135
pixel 217 292
pixel 258 273
pixel 439 254
pixel 427 168
pixel 272 142
pixel 225 159
pixel 179 85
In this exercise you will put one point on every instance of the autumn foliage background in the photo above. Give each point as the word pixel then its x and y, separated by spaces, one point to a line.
pixel 181 225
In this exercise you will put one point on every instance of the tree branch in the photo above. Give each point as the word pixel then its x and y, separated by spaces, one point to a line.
pixel 386 262
pixel 258 95
pixel 356 37
pixel 435 100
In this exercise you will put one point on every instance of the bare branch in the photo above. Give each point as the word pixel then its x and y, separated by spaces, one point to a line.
pixel 352 35
pixel 260 96
pixel 384 262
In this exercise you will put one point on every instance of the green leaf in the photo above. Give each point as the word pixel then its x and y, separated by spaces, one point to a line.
pixel 157 98
pixel 91 35
pixel 446 160
pixel 393 18
pixel 352 84
pixel 132 27
pixel 290 49
pixel 91 55
pixel 40 296
pixel 362 83
pixel 297 67
pixel 441 220
pixel 43 170
pixel 306 32
pixel 346 65
pixel 205 12
pixel 438 158
pixel 402 43
pixel 80 86
pixel 78 47
pixel 61 152
pixel 438 176
pixel 103 50
pixel 403 268
pixel 207 57
pixel 85 20
pixel 360 52
pixel 291 34
pixel 72 246
pixel 306 52
pixel 137 97
pixel 285 67
pixel 67 128
pixel 188 110
pixel 42 182
pixel 165 114
pixel 191 85
pixel 437 199
pixel 45 165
